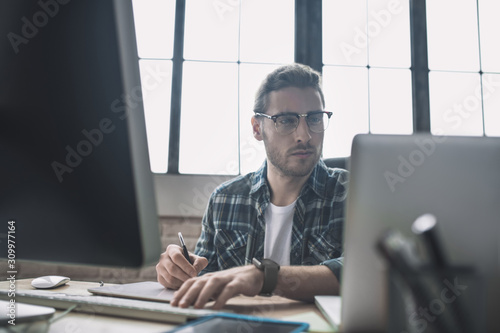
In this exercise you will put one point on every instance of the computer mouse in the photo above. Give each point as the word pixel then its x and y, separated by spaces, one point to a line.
pixel 49 281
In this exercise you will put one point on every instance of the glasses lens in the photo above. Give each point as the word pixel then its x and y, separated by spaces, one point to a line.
pixel 318 121
pixel 286 124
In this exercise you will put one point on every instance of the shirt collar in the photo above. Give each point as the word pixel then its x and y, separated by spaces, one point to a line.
pixel 259 178
pixel 317 180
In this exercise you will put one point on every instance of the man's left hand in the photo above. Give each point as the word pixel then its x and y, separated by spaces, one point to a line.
pixel 219 286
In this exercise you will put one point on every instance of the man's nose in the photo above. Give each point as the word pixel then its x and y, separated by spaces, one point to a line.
pixel 303 133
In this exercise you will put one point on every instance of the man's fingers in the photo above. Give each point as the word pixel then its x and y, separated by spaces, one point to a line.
pixel 187 296
pixel 212 290
pixel 181 269
pixel 228 291
pixel 168 281
pixel 199 263
pixel 179 294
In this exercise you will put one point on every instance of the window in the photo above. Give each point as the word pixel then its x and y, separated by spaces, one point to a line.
pixel 228 47
pixel 367 81
pixel 154 24
pixel 202 61
pixel 464 63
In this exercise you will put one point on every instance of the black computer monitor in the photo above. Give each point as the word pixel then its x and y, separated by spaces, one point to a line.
pixel 75 178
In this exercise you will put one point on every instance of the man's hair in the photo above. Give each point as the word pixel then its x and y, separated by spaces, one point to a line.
pixel 293 75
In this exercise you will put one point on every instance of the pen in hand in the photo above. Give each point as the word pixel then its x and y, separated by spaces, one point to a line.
pixel 184 249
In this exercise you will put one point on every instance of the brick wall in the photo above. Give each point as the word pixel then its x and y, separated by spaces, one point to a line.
pixel 169 227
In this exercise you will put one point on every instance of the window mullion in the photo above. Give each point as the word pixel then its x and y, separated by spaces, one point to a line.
pixel 175 107
pixel 419 66
pixel 308 33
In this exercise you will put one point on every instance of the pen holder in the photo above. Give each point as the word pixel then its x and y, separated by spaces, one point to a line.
pixel 447 300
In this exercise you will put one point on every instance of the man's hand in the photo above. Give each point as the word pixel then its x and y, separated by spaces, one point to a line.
pixel 173 268
pixel 219 286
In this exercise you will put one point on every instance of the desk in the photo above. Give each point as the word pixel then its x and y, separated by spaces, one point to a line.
pixel 273 307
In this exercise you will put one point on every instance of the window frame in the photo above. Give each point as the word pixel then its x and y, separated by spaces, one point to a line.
pixel 308 50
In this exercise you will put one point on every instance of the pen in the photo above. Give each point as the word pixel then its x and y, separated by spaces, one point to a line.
pixel 425 226
pixel 184 249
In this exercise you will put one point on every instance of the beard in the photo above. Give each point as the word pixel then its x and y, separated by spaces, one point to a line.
pixel 300 168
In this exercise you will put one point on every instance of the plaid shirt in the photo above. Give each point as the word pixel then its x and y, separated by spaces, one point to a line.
pixel 233 227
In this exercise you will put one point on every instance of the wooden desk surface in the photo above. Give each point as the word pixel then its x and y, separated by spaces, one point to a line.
pixel 273 307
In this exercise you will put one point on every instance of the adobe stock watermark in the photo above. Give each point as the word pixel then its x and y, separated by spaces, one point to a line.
pixel 222 7
pixel 407 164
pixel 93 138
pixel 455 116
pixel 420 319
pixel 377 22
pixel 459 112
pixel 84 148
pixel 30 27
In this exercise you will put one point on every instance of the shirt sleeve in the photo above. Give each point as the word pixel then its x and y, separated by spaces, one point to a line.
pixel 335 265
pixel 341 189
pixel 205 246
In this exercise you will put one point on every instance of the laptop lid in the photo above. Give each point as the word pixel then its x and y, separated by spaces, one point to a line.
pixel 394 180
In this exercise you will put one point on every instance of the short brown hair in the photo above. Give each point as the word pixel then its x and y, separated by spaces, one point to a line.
pixel 293 75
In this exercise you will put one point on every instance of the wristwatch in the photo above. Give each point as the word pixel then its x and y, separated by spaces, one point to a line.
pixel 270 269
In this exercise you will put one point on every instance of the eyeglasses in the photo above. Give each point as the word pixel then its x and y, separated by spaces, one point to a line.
pixel 287 123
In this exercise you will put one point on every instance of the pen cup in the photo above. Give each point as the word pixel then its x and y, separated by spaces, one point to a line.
pixel 447 300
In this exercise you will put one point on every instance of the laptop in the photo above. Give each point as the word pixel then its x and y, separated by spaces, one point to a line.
pixel 394 180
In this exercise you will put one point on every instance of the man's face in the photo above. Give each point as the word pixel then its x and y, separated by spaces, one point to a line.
pixel 295 154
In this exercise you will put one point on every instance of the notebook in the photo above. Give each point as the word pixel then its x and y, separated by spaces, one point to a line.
pixel 146 291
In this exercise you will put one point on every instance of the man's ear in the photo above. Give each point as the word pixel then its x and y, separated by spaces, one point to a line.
pixel 257 129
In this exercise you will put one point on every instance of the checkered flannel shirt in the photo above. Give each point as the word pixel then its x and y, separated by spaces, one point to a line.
pixel 233 227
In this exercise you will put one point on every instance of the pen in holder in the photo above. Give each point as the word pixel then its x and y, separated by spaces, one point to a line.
pixel 434 301
pixel 428 296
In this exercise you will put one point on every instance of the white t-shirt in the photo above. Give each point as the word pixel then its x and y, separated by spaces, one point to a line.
pixel 278 238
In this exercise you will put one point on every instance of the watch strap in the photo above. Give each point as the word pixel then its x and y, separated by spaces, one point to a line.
pixel 271 270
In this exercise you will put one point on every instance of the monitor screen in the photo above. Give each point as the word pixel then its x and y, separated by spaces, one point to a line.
pixel 76 185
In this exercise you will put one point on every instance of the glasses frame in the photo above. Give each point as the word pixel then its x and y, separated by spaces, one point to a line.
pixel 298 116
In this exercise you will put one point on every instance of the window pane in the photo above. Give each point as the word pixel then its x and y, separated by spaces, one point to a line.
pixel 211 30
pixel 390 101
pixel 344 32
pixel 455 102
pixel 491 99
pixel 489 26
pixel 346 95
pixel 452 35
pixel 209 119
pixel 267 31
pixel 389 33
pixel 156 82
pixel 154 26
pixel 252 152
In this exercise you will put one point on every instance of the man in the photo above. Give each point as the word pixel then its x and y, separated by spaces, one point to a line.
pixel 289 212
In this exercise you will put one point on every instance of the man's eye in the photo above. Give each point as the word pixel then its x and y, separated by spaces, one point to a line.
pixel 315 119
pixel 286 121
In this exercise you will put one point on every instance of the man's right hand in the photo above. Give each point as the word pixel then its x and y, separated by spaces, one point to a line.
pixel 173 268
